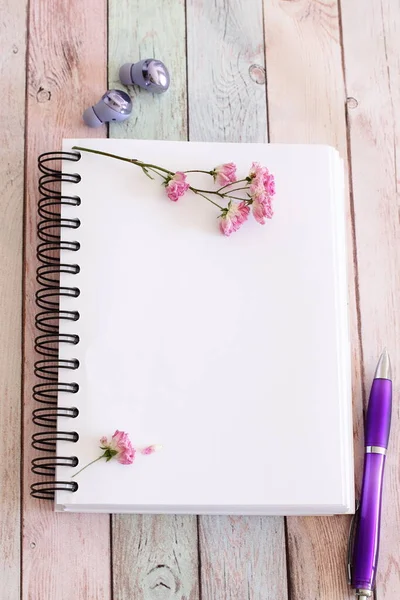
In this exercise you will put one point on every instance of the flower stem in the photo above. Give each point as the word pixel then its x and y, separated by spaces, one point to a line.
pixel 198 171
pixel 156 172
pixel 88 465
pixel 150 166
pixel 246 187
pixel 134 161
pixel 221 194
pixel 233 183
pixel 199 193
pixel 103 153
pixel 208 192
pixel 156 169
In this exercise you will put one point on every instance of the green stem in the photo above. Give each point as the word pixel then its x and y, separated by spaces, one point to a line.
pixel 156 172
pixel 150 166
pixel 154 168
pixel 134 161
pixel 198 192
pixel 209 192
pixel 198 171
pixel 103 153
pixel 88 465
pixel 218 193
pixel 246 187
pixel 233 183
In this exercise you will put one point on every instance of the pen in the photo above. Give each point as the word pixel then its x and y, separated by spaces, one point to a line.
pixel 377 428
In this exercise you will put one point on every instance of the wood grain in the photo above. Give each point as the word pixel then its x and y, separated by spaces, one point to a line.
pixel 226 75
pixel 240 557
pixel 154 558
pixel 306 103
pixel 372 64
pixel 67 556
pixel 157 558
pixel 64 555
pixel 139 30
pixel 12 112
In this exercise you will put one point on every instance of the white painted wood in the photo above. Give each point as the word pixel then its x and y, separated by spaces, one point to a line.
pixel 242 557
pixel 12 114
pixel 157 558
pixel 226 76
pixel 141 29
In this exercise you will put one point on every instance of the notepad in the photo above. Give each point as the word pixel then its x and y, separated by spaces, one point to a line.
pixel 232 353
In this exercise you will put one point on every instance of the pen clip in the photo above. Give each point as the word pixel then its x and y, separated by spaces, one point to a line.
pixel 350 543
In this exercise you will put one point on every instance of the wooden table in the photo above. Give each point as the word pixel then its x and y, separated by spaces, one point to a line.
pixel 242 70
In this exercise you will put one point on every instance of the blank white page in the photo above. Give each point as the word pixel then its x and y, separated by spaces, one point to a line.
pixel 232 353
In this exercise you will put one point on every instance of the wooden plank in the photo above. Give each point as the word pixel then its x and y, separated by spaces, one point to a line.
pixel 306 100
pixel 372 63
pixel 12 114
pixel 243 557
pixel 226 75
pixel 157 558
pixel 64 555
pixel 153 557
pixel 240 557
pixel 150 29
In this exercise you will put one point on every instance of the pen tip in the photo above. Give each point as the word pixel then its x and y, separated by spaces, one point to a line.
pixel 384 369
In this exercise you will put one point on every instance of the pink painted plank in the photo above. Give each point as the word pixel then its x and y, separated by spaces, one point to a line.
pixel 306 103
pixel 372 63
pixel 64 556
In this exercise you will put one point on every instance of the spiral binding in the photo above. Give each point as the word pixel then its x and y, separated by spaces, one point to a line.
pixel 50 366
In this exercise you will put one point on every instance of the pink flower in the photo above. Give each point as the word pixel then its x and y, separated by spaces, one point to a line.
pixel 261 191
pixel 262 209
pixel 269 184
pixel 119 447
pixel 151 449
pixel 257 189
pixel 233 217
pixel 262 175
pixel 225 174
pixel 255 170
pixel 177 186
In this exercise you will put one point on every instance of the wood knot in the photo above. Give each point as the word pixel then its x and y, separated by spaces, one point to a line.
pixel 161 583
pixel 257 74
pixel 33 545
pixel 43 95
pixel 15 49
pixel 351 102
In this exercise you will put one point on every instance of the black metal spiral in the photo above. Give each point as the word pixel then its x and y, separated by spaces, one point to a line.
pixel 50 367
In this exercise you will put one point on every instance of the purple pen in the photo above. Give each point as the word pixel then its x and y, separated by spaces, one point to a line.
pixel 366 542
